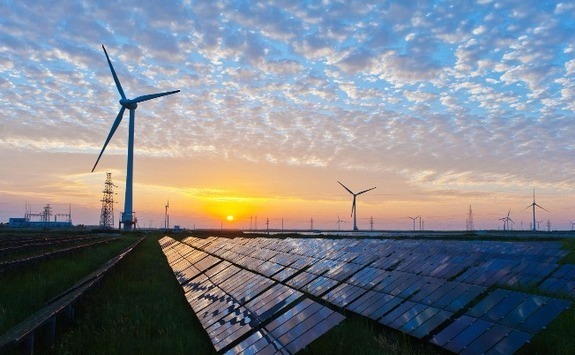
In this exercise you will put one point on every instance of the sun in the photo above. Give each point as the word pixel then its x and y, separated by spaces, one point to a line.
pixel 230 218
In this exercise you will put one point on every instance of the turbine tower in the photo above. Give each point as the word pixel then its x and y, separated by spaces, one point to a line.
pixel 127 219
pixel 353 208
pixel 534 204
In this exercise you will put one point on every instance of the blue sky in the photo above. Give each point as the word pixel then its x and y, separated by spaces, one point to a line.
pixel 440 104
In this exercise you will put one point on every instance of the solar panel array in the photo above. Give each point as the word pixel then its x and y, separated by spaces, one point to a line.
pixel 267 294
pixel 243 311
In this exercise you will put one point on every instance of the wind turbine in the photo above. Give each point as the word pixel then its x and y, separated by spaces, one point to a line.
pixel 534 204
pixel 414 219
pixel 339 221
pixel 353 208
pixel 506 221
pixel 131 104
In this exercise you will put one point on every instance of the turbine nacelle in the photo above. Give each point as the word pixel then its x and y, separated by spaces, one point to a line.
pixel 129 104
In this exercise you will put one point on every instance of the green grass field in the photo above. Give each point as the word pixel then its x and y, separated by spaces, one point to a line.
pixel 140 308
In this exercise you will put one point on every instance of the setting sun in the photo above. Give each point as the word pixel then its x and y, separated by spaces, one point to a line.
pixel 230 218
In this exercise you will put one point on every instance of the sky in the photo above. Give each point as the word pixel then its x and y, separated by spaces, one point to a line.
pixel 441 105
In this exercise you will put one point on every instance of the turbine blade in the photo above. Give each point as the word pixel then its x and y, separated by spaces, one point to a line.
pixel 116 80
pixel 153 96
pixel 353 208
pixel 112 131
pixel 510 220
pixel 508 213
pixel 531 205
pixel 348 190
pixel 364 191
pixel 541 207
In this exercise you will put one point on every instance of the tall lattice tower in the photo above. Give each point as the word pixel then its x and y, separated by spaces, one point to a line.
pixel 107 213
pixel 469 222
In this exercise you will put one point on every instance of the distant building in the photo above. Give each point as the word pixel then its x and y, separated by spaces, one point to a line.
pixel 41 220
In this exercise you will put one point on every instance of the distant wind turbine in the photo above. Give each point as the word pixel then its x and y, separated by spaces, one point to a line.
pixel 131 104
pixel 339 222
pixel 353 208
pixel 534 204
pixel 506 221
pixel 414 219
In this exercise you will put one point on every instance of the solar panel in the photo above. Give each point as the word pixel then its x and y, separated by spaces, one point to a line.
pixel 258 342
pixel 343 294
pixel 429 325
pixel 254 294
pixel 543 315
pixel 467 336
pixel 510 343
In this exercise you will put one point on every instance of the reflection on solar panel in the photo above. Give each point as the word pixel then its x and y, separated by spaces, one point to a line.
pixel 272 295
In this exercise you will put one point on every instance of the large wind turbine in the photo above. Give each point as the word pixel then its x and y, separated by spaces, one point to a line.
pixel 534 204
pixel 127 219
pixel 353 209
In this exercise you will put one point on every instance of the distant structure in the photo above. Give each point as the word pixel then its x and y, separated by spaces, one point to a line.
pixel 167 216
pixel 42 219
pixel 128 216
pixel 469 222
pixel 339 222
pixel 534 204
pixel 107 211
pixel 353 208
pixel 414 219
pixel 506 220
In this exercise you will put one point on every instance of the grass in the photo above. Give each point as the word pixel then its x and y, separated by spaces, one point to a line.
pixel 138 309
pixel 25 290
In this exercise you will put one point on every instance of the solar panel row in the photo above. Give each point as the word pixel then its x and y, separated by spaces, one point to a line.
pixel 417 287
pixel 243 311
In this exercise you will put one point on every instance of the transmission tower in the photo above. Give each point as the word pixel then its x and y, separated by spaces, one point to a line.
pixel 107 213
pixel 469 222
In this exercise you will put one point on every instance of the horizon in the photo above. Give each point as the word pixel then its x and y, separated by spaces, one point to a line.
pixel 439 105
